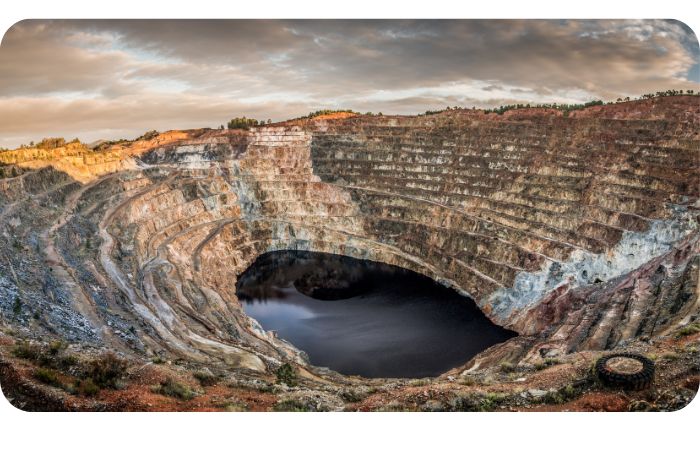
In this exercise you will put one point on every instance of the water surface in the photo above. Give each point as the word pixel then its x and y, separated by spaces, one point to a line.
pixel 364 318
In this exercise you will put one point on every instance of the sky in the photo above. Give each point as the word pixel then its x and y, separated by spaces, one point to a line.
pixel 108 79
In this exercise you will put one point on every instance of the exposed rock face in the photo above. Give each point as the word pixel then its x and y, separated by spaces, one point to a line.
pixel 578 232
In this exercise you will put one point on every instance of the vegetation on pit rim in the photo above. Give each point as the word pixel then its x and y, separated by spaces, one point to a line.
pixel 148 135
pixel 51 143
pixel 567 107
pixel 324 112
pixel 244 123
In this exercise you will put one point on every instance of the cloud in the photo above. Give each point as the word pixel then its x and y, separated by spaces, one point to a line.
pixel 25 118
pixel 123 76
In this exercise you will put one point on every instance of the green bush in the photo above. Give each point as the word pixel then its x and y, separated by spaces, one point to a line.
pixel 290 406
pixel 173 388
pixel 560 396
pixel 51 143
pixel 47 376
pixel 287 375
pixel 148 135
pixel 688 330
pixel 205 378
pixel 476 402
pixel 56 346
pixel 242 123
pixel 107 371
pixel 323 112
pixel 67 361
pixel 26 350
pixel 548 362
pixel 46 356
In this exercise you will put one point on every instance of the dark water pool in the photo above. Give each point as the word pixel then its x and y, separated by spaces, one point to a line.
pixel 363 318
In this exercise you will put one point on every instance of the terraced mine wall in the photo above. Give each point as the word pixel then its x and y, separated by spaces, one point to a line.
pixel 577 231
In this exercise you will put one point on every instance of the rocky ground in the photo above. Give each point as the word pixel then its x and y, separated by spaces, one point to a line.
pixel 60 377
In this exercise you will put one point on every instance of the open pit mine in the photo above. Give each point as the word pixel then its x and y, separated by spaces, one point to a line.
pixel 576 233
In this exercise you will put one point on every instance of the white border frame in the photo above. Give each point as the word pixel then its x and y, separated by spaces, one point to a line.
pixel 329 430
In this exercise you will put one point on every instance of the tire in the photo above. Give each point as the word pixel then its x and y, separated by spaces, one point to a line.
pixel 636 381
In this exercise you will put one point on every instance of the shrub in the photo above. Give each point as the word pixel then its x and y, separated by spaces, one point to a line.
pixel 290 406
pixel 67 361
pixel 205 378
pixel 87 387
pixel 107 144
pixel 670 356
pixel 173 388
pixel 107 370
pixel 323 112
pixel 507 367
pixel 235 407
pixel 47 376
pixel 51 143
pixel 490 401
pixel 45 356
pixel 355 395
pixel 242 123
pixel 148 135
pixel 467 380
pixel 688 330
pixel 395 406
pixel 287 375
pixel 548 362
pixel 563 395
pixel 28 351
pixel 56 346
pixel 475 402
